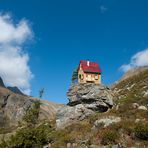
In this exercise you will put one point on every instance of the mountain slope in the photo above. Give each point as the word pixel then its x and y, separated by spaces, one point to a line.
pixel 15 90
pixel 14 106
pixel 133 86
pixel 1 82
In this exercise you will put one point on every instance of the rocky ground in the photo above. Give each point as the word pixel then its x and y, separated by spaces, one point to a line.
pixel 95 116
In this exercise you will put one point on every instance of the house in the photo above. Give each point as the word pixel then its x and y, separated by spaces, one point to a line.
pixel 89 72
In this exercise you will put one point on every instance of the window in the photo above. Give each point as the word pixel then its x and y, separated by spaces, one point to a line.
pixel 81 76
pixel 96 77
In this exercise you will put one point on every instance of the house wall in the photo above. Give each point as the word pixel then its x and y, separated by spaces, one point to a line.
pixel 88 77
pixel 80 80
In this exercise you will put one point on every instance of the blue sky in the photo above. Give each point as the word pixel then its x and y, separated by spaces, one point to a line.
pixel 110 32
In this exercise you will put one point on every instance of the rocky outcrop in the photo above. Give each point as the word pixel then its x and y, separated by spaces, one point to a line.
pixel 84 100
pixel 70 114
pixel 15 90
pixel 92 96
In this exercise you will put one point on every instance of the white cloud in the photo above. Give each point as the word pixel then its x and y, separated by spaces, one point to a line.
pixel 139 59
pixel 103 9
pixel 14 68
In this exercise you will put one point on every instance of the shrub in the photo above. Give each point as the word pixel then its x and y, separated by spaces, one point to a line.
pixel 31 137
pixel 141 131
pixel 109 137
pixel 32 113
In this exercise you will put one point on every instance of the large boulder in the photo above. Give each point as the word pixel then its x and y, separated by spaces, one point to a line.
pixel 70 114
pixel 84 100
pixel 94 97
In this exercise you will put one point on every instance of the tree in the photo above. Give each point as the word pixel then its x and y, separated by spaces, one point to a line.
pixel 75 76
pixel 41 92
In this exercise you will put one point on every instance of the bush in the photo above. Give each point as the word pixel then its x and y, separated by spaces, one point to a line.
pixel 109 137
pixel 30 137
pixel 141 131
pixel 32 113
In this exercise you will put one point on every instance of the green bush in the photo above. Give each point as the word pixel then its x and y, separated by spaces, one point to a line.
pixel 141 131
pixel 34 137
pixel 32 113
pixel 109 137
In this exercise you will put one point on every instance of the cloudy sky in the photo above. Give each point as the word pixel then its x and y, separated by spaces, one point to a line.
pixel 42 41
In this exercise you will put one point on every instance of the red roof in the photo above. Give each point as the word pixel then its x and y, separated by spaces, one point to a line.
pixel 88 66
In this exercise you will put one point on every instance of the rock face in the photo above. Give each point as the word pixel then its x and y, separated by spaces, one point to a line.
pixel 92 96
pixel 13 106
pixel 15 90
pixel 70 114
pixel 1 82
pixel 84 100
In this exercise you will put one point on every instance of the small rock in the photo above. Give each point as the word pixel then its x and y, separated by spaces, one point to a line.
pixel 139 120
pixel 69 145
pixel 74 145
pixel 117 146
pixel 135 105
pixel 117 107
pixel 107 121
pixel 145 93
pixel 49 145
pixel 142 108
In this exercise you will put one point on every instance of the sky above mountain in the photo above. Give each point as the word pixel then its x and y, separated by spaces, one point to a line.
pixel 42 41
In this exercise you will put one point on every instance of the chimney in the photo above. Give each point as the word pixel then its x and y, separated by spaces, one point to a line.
pixel 87 63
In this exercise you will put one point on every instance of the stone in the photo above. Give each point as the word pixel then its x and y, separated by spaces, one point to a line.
pixel 70 114
pixel 69 145
pixel 74 145
pixel 95 97
pixel 139 120
pixel 107 121
pixel 135 105
pixel 84 100
pixel 49 145
pixel 142 108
